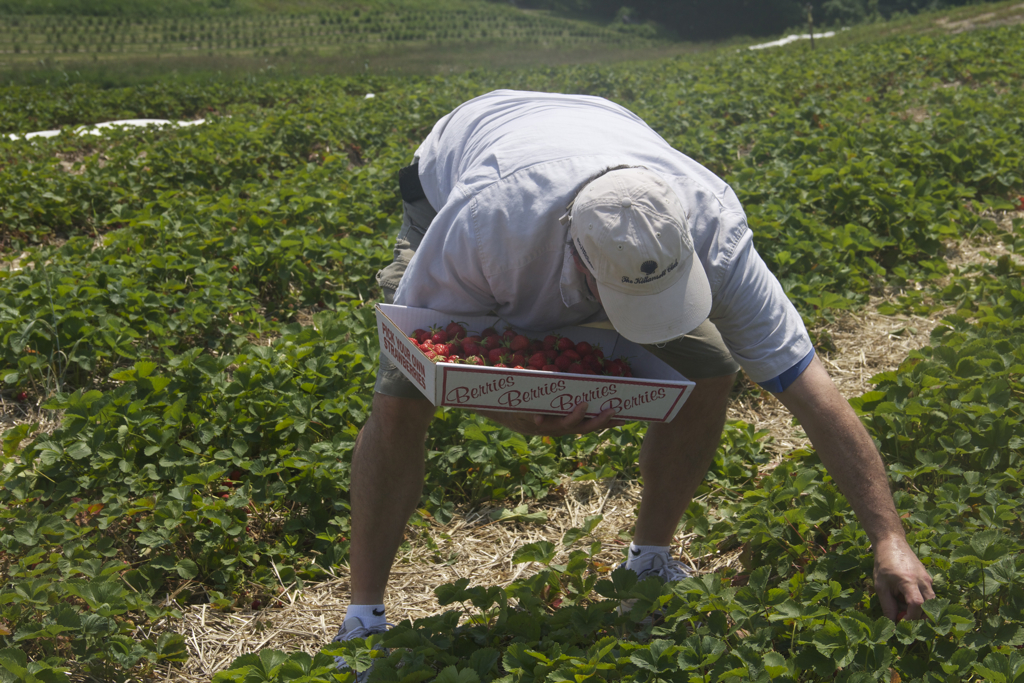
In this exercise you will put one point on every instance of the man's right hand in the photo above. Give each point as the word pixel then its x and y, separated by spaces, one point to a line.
pixel 575 422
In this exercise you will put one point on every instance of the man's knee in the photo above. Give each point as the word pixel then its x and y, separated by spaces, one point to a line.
pixel 705 408
pixel 710 394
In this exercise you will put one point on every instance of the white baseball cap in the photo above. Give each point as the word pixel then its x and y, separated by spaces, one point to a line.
pixel 631 232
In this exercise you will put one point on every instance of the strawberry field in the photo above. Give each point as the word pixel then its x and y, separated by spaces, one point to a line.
pixel 188 349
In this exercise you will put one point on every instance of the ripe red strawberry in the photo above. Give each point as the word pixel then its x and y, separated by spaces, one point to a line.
pixel 471 348
pixel 455 348
pixel 597 352
pixel 551 341
pixel 509 334
pixel 496 355
pixel 538 361
pixel 455 330
pixel 564 344
pixel 438 336
pixel 492 341
pixel 518 358
pixel 592 362
pixel 430 353
pixel 583 348
pixel 421 335
pixel 618 367
pixel 427 346
pixel 571 355
pixel 487 332
pixel 499 365
pixel 519 343
pixel 550 368
pixel 536 345
pixel 474 360
pixel 576 369
pixel 22 396
pixel 443 349
pixel 563 363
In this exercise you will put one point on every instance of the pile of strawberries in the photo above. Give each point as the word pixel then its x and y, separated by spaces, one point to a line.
pixel 509 349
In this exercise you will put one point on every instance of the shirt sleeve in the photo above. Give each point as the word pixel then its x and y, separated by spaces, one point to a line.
pixel 759 324
pixel 778 384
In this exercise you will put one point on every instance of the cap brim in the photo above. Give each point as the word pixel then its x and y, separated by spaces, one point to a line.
pixel 660 317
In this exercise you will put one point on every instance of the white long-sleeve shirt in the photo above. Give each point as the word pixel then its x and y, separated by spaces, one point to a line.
pixel 500 170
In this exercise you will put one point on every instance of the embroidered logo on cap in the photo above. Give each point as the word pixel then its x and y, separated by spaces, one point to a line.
pixel 649 277
pixel 649 267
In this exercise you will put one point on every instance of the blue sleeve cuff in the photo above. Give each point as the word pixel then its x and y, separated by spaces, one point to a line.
pixel 777 385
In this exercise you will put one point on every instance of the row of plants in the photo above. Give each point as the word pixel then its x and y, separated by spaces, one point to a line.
pixel 197 304
pixel 454 23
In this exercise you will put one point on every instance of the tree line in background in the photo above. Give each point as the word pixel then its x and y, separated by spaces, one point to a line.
pixel 715 19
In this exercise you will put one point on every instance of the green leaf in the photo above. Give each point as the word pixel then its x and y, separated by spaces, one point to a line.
pixel 484 660
pixel 700 651
pixel 187 569
pixel 775 664
pixel 541 551
pixel 451 674
pixel 520 514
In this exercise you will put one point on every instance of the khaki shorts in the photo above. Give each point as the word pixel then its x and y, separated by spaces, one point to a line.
pixel 701 354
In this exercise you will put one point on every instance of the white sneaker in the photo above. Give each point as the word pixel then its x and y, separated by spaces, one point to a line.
pixel 353 628
pixel 660 565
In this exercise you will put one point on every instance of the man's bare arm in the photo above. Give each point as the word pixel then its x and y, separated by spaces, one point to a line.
pixel 848 452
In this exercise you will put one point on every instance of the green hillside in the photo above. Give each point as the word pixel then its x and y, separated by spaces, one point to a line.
pixel 310 37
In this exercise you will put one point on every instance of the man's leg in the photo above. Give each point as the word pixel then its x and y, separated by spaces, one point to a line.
pixel 676 456
pixel 387 480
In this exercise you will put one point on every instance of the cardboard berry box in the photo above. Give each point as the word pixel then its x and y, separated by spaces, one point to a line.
pixel 654 393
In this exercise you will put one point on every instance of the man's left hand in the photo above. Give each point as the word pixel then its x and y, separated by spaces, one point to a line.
pixel 901 581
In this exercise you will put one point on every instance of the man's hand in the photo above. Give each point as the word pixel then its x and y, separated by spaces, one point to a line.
pixel 575 422
pixel 901 581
